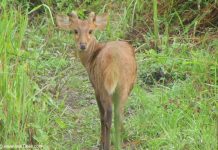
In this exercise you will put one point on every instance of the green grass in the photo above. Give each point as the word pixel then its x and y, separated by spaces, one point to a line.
pixel 19 94
pixel 46 98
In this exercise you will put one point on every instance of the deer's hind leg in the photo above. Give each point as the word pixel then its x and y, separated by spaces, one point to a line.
pixel 105 109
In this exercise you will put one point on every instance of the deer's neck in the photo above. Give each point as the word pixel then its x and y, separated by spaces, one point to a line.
pixel 88 57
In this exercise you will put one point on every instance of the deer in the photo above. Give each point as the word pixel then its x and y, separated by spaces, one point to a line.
pixel 111 68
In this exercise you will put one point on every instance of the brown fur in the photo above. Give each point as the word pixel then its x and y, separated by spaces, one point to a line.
pixel 111 67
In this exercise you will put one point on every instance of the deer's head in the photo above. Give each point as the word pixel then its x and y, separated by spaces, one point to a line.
pixel 83 29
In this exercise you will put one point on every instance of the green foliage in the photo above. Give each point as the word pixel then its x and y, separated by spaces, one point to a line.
pixel 19 101
pixel 46 98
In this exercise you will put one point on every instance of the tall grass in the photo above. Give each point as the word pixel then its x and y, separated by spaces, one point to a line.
pixel 173 105
pixel 21 111
pixel 155 18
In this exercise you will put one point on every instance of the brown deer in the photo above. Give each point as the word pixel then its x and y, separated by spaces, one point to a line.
pixel 111 68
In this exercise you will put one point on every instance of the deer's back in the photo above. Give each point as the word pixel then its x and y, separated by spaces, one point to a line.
pixel 114 67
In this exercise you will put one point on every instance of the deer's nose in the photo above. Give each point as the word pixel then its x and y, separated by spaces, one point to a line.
pixel 82 46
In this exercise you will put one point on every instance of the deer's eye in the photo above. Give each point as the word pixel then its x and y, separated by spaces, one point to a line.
pixel 76 31
pixel 90 31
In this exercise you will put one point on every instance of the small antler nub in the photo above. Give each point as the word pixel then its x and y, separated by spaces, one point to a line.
pixel 73 15
pixel 92 16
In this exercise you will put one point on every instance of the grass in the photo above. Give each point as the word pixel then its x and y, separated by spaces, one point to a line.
pixel 180 115
pixel 46 98
pixel 19 100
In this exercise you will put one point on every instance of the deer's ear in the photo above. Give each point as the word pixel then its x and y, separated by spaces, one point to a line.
pixel 63 22
pixel 101 21
pixel 67 22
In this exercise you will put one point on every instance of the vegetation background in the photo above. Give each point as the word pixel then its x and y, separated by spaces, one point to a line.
pixel 46 98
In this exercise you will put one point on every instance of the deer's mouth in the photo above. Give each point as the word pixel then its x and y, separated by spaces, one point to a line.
pixel 82 46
